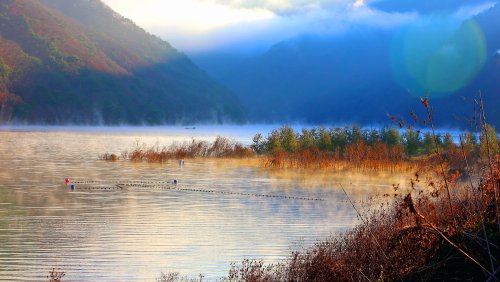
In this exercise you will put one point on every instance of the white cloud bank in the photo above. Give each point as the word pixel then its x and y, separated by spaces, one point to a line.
pixel 200 25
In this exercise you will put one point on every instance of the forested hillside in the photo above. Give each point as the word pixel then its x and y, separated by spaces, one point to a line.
pixel 79 62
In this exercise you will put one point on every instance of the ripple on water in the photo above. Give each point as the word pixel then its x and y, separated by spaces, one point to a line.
pixel 135 234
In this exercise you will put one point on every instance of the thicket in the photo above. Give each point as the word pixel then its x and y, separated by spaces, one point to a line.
pixel 354 147
pixel 436 230
pixel 350 147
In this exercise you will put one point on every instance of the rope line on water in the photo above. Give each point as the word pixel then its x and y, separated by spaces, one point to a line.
pixel 164 185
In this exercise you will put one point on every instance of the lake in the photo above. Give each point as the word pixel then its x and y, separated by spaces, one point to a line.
pixel 221 211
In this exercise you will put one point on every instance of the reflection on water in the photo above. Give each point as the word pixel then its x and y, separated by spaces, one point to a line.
pixel 135 234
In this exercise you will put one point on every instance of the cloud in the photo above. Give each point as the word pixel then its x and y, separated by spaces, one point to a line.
pixel 191 16
pixel 199 25
pixel 287 7
pixel 468 11
pixel 359 3
pixel 261 34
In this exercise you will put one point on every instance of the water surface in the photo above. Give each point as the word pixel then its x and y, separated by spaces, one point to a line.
pixel 136 233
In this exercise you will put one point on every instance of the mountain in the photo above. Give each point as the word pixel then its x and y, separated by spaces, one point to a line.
pixel 316 79
pixel 80 62
pixel 359 76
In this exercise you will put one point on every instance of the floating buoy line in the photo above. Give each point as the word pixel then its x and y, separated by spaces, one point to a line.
pixel 92 185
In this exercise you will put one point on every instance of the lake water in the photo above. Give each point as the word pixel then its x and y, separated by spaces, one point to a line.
pixel 136 233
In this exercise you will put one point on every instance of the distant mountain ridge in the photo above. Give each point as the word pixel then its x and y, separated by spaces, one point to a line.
pixel 80 62
pixel 349 78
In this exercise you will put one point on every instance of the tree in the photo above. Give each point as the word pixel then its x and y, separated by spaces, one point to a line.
pixel 411 141
pixel 428 143
pixel 258 144
pixel 373 137
pixel 339 138
pixel 355 134
pixel 391 136
pixel 469 142
pixel 288 139
pixel 324 142
pixel 306 140
pixel 489 140
pixel 448 141
pixel 273 141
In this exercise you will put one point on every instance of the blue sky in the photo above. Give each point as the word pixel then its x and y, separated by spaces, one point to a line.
pixel 202 25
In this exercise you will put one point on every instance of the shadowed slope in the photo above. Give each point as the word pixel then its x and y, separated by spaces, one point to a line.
pixel 79 62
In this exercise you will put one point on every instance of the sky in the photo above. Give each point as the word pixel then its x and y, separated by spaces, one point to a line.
pixel 196 26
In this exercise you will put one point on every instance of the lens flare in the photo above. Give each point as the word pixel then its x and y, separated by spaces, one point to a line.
pixel 439 57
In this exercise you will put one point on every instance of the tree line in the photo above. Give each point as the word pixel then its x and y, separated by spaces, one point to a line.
pixel 353 143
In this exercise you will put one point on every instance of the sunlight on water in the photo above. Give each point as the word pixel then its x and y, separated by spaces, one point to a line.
pixel 135 234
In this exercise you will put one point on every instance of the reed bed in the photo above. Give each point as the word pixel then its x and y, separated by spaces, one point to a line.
pixel 414 238
pixel 221 148
pixel 442 228
pixel 349 148
pixel 356 157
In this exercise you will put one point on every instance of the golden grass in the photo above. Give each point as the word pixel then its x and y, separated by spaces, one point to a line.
pixel 414 238
pixel 356 158
pixel 221 148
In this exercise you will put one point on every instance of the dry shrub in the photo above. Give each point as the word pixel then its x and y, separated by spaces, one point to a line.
pixel 55 276
pixel 109 157
pixel 357 156
pixel 414 238
pixel 174 277
pixel 221 148
pixel 253 271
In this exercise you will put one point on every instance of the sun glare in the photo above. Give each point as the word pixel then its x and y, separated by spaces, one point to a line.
pixel 359 3
pixel 192 15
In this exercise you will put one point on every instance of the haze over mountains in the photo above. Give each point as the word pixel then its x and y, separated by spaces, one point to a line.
pixel 80 62
pixel 362 75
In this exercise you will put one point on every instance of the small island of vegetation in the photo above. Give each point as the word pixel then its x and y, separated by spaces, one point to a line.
pixel 346 148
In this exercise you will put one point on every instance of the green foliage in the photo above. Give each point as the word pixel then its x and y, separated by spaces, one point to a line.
pixel 98 67
pixel 447 141
pixel 428 143
pixel 273 142
pixel 393 137
pixel 5 71
pixel 411 141
pixel 288 139
pixel 469 141
pixel 258 145
pixel 355 134
pixel 306 139
pixel 323 140
pixel 373 137
pixel 488 142
pixel 338 139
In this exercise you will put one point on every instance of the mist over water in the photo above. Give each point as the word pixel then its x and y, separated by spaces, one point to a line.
pixel 136 233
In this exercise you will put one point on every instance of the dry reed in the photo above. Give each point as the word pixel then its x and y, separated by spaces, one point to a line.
pixel 221 148
pixel 412 239
pixel 436 230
